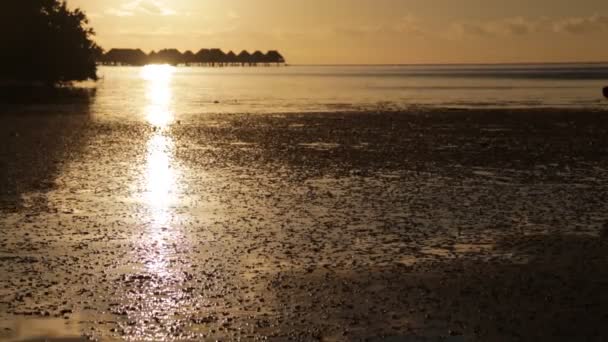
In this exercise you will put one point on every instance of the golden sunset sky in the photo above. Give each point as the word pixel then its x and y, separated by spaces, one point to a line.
pixel 362 31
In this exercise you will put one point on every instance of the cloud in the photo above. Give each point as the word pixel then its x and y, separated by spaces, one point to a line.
pixel 145 7
pixel 470 29
pixel 176 34
pixel 519 26
pixel 514 26
pixel 408 25
pixel 582 25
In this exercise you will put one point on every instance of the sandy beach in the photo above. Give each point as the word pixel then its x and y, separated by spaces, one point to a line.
pixel 425 225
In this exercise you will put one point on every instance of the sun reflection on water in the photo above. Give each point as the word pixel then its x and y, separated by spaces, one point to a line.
pixel 160 176
pixel 159 94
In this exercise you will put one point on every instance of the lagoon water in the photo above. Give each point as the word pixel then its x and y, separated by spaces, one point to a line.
pixel 197 90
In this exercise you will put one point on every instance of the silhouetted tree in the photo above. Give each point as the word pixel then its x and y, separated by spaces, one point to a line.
pixel 43 40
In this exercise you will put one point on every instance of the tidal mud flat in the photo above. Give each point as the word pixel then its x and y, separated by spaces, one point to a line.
pixel 382 226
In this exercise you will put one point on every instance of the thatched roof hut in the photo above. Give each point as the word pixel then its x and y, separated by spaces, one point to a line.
pixel 216 56
pixel 152 57
pixel 125 57
pixel 169 56
pixel 244 57
pixel 188 57
pixel 257 57
pixel 273 56
pixel 231 57
pixel 202 56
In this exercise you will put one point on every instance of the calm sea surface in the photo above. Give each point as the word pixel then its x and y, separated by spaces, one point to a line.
pixel 191 91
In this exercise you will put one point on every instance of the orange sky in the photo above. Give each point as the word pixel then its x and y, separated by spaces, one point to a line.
pixel 363 31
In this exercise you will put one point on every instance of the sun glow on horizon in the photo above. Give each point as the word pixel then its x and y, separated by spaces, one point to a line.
pixel 157 72
pixel 159 94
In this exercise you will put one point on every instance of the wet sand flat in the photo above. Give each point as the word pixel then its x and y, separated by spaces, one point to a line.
pixel 384 226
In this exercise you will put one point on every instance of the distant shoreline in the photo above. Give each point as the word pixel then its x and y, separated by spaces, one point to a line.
pixel 452 64
pixel 406 65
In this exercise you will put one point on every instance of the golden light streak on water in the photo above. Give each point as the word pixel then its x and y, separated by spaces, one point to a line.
pixel 159 94
pixel 160 178
pixel 160 173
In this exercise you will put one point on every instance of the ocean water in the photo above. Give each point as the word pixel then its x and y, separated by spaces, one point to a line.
pixel 161 94
pixel 195 90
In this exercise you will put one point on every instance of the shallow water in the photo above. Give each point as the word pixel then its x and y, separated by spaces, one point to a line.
pixel 135 212
pixel 342 88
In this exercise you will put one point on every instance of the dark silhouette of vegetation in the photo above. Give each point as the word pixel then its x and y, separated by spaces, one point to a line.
pixel 210 57
pixel 43 41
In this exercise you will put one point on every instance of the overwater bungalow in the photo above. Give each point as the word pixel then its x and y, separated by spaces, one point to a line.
pixel 244 58
pixel 169 56
pixel 124 57
pixel 231 58
pixel 189 58
pixel 204 57
pixel 274 57
pixel 257 57
pixel 216 57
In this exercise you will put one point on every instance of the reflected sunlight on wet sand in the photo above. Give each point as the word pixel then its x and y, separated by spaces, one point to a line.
pixel 305 226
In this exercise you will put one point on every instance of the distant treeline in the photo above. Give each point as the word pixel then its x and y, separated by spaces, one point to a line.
pixel 211 57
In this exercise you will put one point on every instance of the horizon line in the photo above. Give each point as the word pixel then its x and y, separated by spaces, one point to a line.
pixel 441 64
pixel 382 64
pixel 449 64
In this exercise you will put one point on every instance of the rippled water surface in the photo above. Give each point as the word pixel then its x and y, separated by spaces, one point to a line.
pixel 327 88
